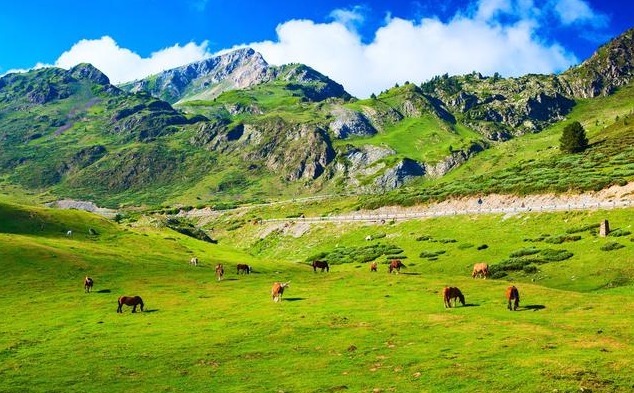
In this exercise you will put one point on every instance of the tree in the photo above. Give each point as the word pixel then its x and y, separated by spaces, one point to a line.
pixel 573 139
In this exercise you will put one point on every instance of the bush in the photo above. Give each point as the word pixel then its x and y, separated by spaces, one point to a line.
pixel 551 255
pixel 562 238
pixel 619 233
pixel 483 247
pixel 524 252
pixel 611 246
pixel 530 269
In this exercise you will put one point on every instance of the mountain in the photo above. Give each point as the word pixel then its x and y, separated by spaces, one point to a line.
pixel 239 69
pixel 233 128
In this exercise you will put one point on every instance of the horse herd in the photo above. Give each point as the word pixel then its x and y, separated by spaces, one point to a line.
pixel 449 294
pixel 480 270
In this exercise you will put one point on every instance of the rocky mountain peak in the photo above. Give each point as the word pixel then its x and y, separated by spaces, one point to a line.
pixel 210 77
pixel 89 72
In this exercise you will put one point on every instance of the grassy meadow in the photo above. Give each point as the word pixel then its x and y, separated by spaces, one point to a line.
pixel 347 330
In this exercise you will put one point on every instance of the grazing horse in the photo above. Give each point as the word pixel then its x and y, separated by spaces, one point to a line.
pixel 193 261
pixel 69 233
pixel 88 284
pixel 513 295
pixel 278 290
pixel 243 268
pixel 323 265
pixel 220 271
pixel 396 265
pixel 452 293
pixel 480 269
pixel 373 266
pixel 130 301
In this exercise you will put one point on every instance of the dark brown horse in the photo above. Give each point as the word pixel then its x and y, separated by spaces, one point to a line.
pixel 220 271
pixel 450 293
pixel 88 282
pixel 323 265
pixel 513 296
pixel 396 265
pixel 130 301
pixel 244 269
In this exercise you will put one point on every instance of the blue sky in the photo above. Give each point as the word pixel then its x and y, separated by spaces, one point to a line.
pixel 367 46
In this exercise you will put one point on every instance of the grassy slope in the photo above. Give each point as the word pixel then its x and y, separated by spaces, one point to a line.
pixel 346 329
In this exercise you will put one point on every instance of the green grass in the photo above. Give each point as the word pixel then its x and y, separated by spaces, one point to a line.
pixel 346 330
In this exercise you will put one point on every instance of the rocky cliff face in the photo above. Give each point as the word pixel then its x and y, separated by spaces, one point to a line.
pixel 610 67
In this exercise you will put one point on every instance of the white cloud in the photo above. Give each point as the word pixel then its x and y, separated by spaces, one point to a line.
pixel 578 11
pixel 123 65
pixel 351 18
pixel 488 36
pixel 405 50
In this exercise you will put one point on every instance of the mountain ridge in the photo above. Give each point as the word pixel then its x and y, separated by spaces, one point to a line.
pixel 290 129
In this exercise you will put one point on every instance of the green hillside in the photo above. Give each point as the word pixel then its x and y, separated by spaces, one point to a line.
pixel 344 330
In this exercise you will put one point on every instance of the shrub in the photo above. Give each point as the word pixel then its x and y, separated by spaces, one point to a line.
pixel 583 228
pixel 530 269
pixel 551 255
pixel 562 238
pixel 619 233
pixel 483 247
pixel 611 246
pixel 524 252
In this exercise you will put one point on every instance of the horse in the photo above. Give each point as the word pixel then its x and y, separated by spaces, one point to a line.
pixel 278 290
pixel 243 268
pixel 69 233
pixel 396 264
pixel 513 295
pixel 130 301
pixel 193 261
pixel 480 269
pixel 88 284
pixel 323 265
pixel 373 266
pixel 220 271
pixel 452 293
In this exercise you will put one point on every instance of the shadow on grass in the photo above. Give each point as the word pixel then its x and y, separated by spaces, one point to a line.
pixel 104 291
pixel 410 274
pixel 471 305
pixel 293 299
pixel 533 307
pixel 228 279
pixel 151 310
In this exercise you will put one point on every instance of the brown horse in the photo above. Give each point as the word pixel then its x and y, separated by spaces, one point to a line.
pixel 480 269
pixel 220 271
pixel 244 269
pixel 278 290
pixel 323 265
pixel 513 296
pixel 88 282
pixel 130 301
pixel 373 266
pixel 396 264
pixel 450 293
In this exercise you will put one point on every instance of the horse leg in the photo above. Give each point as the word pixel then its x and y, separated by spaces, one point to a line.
pixel 134 308
pixel 119 308
pixel 516 305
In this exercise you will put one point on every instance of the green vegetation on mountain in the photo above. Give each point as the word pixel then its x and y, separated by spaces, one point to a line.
pixel 242 131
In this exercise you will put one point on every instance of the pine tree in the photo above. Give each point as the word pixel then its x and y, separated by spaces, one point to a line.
pixel 573 139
